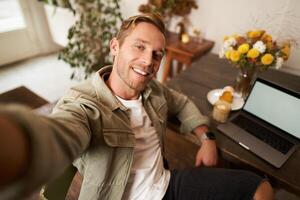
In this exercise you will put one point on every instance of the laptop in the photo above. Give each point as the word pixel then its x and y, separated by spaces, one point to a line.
pixel 268 124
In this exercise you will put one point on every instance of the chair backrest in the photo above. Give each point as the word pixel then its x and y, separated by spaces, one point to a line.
pixel 58 189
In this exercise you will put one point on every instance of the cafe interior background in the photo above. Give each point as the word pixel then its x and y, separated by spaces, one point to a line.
pixel 32 33
pixel 31 30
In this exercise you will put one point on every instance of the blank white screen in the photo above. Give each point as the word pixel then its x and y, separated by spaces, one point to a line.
pixel 276 107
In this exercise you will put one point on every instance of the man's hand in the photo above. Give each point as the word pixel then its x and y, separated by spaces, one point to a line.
pixel 207 154
pixel 14 151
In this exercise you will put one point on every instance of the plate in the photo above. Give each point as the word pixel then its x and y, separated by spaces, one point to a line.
pixel 213 97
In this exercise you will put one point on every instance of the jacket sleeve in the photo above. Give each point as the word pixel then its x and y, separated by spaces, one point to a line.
pixel 185 110
pixel 55 141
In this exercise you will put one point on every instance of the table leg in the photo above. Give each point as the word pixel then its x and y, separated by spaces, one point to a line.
pixel 179 67
pixel 167 66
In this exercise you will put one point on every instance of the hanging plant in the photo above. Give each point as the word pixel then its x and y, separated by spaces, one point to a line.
pixel 60 3
pixel 88 39
pixel 169 8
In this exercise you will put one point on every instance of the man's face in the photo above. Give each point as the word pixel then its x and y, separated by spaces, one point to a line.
pixel 137 60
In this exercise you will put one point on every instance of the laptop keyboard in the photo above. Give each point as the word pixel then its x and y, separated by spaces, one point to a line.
pixel 262 133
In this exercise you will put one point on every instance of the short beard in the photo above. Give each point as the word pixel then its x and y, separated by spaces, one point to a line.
pixel 139 87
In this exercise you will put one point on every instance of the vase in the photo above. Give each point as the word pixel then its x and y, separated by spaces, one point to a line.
pixel 244 81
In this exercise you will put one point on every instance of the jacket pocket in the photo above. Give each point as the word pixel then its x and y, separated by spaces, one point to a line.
pixel 118 138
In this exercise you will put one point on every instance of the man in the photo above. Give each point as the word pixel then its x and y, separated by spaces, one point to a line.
pixel 114 125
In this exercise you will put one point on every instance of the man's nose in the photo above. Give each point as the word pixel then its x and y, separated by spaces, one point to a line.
pixel 147 58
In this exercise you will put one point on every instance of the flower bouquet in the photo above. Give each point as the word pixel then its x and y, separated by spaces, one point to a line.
pixel 253 52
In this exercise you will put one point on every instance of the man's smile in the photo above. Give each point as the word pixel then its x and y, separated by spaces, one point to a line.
pixel 140 71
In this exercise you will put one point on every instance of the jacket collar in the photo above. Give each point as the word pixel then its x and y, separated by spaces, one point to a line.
pixel 106 95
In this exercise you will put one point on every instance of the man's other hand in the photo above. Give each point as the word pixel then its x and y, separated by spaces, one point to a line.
pixel 207 154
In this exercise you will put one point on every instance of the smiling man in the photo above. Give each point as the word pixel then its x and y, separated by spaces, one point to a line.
pixel 137 59
pixel 113 127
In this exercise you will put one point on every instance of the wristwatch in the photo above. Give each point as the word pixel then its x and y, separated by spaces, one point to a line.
pixel 209 135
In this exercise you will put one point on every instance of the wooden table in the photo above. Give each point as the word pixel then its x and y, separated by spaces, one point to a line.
pixel 23 95
pixel 209 73
pixel 183 53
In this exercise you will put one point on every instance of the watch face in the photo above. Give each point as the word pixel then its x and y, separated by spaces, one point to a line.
pixel 210 135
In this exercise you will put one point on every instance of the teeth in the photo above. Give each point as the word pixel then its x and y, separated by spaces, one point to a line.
pixel 140 71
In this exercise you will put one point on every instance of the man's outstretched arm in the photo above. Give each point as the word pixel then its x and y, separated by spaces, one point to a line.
pixel 36 149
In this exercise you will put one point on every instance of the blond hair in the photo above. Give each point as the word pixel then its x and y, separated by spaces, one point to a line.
pixel 128 24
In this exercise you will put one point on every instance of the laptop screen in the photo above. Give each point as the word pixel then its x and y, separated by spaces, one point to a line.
pixel 275 106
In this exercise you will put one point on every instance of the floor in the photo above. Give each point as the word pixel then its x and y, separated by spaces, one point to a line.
pixel 50 78
pixel 45 75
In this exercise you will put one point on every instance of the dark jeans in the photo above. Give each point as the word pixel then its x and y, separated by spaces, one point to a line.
pixel 212 183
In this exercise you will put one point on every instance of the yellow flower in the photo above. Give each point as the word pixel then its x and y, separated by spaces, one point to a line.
pixel 255 34
pixel 235 56
pixel 266 38
pixel 269 45
pixel 267 59
pixel 227 54
pixel 286 50
pixel 253 53
pixel 240 40
pixel 244 48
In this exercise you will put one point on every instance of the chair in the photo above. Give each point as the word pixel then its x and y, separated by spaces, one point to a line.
pixel 58 189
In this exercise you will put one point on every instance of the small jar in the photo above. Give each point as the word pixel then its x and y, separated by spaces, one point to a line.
pixel 185 38
pixel 221 111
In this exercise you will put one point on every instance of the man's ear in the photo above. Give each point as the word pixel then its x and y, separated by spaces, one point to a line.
pixel 114 46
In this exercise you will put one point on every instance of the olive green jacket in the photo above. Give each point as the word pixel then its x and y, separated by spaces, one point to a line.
pixel 90 122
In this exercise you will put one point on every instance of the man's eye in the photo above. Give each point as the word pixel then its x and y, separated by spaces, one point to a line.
pixel 140 47
pixel 157 56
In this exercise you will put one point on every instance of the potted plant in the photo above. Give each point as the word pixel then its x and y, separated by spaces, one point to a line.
pixel 60 3
pixel 88 39
pixel 252 53
pixel 87 47
pixel 169 8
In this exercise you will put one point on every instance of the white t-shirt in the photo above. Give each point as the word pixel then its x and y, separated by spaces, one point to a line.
pixel 148 178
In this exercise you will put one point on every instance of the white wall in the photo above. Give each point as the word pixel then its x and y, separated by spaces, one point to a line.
pixel 217 18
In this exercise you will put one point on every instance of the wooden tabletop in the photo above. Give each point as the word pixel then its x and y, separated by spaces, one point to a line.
pixel 23 95
pixel 209 73
pixel 192 49
pixel 183 53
